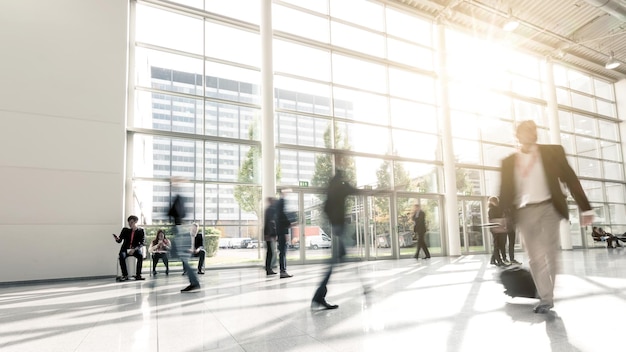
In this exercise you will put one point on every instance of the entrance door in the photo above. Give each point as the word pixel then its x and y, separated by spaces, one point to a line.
pixel 406 238
pixel 471 228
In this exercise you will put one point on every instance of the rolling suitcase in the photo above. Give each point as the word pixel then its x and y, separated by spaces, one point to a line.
pixel 518 282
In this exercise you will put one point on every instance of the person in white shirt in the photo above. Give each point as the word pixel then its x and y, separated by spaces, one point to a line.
pixel 530 189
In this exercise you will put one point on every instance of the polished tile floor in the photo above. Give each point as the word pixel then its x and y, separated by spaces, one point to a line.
pixel 441 304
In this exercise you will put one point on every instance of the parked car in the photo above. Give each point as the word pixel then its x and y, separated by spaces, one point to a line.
pixel 239 242
pixel 224 243
pixel 253 244
pixel 321 241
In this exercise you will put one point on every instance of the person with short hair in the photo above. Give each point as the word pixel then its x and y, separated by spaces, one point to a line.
pixel 133 239
pixel 530 189
pixel 419 228
pixel 197 249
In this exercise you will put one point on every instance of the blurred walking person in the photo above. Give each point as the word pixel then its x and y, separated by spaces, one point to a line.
pixel 530 189
pixel 419 228
pixel 335 208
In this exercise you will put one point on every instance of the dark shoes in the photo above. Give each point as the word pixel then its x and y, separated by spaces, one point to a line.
pixel 201 272
pixel 271 272
pixel 515 262
pixel 191 288
pixel 322 304
pixel 543 308
pixel 122 278
pixel 139 277
pixel 284 274
pixel 154 273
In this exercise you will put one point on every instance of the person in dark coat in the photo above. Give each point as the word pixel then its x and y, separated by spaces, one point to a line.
pixel 283 224
pixel 499 238
pixel 419 228
pixel 269 234
pixel 335 208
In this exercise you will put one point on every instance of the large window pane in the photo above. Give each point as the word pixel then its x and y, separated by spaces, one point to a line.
pixel 414 116
pixel 617 213
pixel 587 147
pixel 245 10
pixel 611 151
pixel 373 172
pixel 356 39
pixel 585 125
pixel 466 152
pixel 579 81
pixel 349 71
pixel 464 125
pixel 589 168
pixel 603 89
pixel 301 60
pixel 593 190
pixel 417 177
pixel 300 95
pixel 565 121
pixel 219 44
pixel 296 166
pixel 605 108
pixel 232 121
pixel 364 107
pixel 302 130
pixel 416 145
pixel 369 14
pixel 613 171
pixel 409 54
pixel 411 85
pixel 493 154
pixel 368 139
pixel 164 157
pixel 150 28
pixel 164 71
pixel 300 23
pixel 166 112
pixel 582 102
pixel 408 27
pixel 232 83
pixel 497 131
pixel 615 192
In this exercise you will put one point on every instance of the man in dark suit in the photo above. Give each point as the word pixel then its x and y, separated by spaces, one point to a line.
pixel 419 220
pixel 133 239
pixel 531 191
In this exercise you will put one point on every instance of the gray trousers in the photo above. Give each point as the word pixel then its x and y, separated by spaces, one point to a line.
pixel 539 226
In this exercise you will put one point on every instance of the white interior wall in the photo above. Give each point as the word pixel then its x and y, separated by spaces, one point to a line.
pixel 62 140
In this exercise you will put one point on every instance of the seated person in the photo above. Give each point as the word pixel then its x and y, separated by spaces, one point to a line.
pixel 159 249
pixel 599 234
pixel 133 239
pixel 197 250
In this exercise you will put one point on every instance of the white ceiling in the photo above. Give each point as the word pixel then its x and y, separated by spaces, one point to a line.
pixel 578 32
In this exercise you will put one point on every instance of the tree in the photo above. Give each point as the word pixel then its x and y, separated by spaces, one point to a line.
pixel 249 197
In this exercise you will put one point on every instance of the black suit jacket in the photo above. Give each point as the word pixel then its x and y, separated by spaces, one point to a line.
pixel 557 170
pixel 138 240
pixel 420 222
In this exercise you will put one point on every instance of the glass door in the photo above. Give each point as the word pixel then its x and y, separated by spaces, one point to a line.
pixel 407 240
pixel 472 232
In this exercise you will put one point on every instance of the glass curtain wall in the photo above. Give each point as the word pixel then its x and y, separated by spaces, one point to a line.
pixel 195 93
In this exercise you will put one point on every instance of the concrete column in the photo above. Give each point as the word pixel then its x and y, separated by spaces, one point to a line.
pixel 267 102
pixel 449 169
